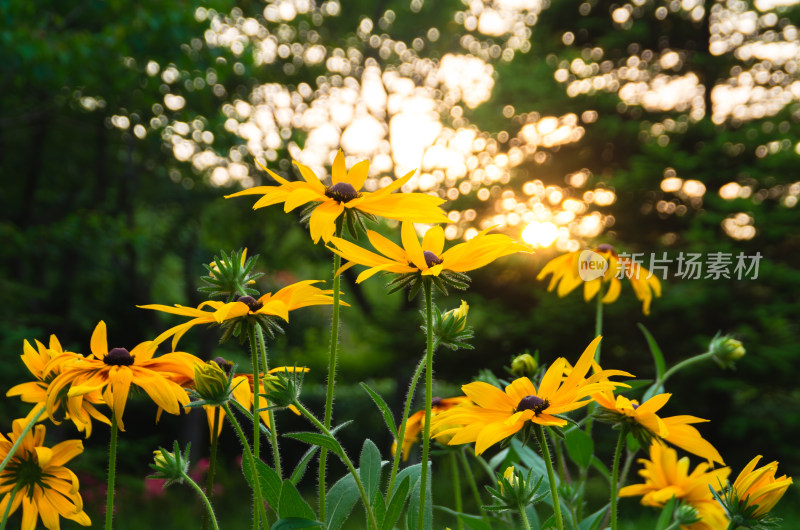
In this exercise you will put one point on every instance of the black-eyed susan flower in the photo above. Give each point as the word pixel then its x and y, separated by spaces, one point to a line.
pixel 344 195
pixel 601 265
pixel 495 414
pixel 45 363
pixel 645 424
pixel 755 492
pixel 666 477
pixel 426 259
pixel 262 310
pixel 112 372
pixel 36 479
pixel 416 422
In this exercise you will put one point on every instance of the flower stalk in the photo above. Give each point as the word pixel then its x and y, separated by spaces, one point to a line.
pixel 258 503
pixel 13 494
pixel 426 430
pixel 551 477
pixel 273 427
pixel 614 486
pixel 112 469
pixel 334 345
pixel 38 414
pixel 406 410
pixel 212 459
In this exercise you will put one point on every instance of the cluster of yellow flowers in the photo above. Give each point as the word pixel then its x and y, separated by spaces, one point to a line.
pixel 70 386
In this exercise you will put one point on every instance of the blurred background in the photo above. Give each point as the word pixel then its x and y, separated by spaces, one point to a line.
pixel 655 126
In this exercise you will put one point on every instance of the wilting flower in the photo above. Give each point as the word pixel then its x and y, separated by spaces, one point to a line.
pixel 243 391
pixel 495 415
pixel 263 310
pixel 344 196
pixel 113 372
pixel 45 488
pixel 416 422
pixel 645 424
pixel 666 477
pixel 429 258
pixel 567 275
pixel 45 363
pixel 754 493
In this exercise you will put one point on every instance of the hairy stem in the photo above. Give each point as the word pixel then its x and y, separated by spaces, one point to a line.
pixel 22 435
pixel 273 427
pixel 209 508
pixel 426 428
pixel 615 477
pixel 406 410
pixel 112 471
pixel 551 476
pixel 258 504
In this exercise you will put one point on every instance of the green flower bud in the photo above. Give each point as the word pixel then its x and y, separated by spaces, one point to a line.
pixel 459 316
pixel 171 466
pixel 211 382
pixel 282 388
pixel 524 365
pixel 510 477
pixel 687 515
pixel 726 350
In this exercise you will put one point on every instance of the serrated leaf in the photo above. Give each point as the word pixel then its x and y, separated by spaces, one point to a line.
pixel 291 504
pixel 269 482
pixel 396 503
pixel 294 523
pixel 387 412
pixel 339 502
pixel 580 447
pixel 370 469
pixel 321 440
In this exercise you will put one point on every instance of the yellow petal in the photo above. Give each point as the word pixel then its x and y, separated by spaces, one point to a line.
pixel 99 343
pixel 310 177
pixel 412 246
pixel 323 220
pixel 433 241
pixel 339 170
pixel 358 174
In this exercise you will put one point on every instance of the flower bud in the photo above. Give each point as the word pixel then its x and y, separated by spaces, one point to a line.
pixel 726 350
pixel 171 466
pixel 524 365
pixel 211 382
pixel 459 316
pixel 511 477
pixel 282 388
pixel 687 515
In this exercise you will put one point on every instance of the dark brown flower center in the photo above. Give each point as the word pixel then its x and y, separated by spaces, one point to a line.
pixel 431 259
pixel 635 406
pixel 341 192
pixel 118 357
pixel 224 364
pixel 534 403
pixel 435 402
pixel 605 247
pixel 250 302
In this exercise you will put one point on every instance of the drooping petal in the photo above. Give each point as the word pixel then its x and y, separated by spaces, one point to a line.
pixel 99 343
pixel 322 223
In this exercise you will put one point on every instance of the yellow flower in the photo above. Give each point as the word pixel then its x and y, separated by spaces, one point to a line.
pixel 45 488
pixel 758 489
pixel 416 422
pixel 113 372
pixel 243 392
pixel 428 258
pixel 45 363
pixel 459 313
pixel 344 193
pixel 567 276
pixel 675 429
pixel 495 415
pixel 666 477
pixel 291 297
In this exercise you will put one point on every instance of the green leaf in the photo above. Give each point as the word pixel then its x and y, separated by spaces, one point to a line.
pixel 473 522
pixel 339 502
pixel 412 516
pixel 268 480
pixel 666 514
pixel 387 412
pixel 580 447
pixel 298 472
pixel 370 469
pixel 601 467
pixel 291 504
pixel 396 503
pixel 410 472
pixel 658 357
pixel 498 459
pixel 315 438
pixel 529 458
pixel 294 523
pixel 592 522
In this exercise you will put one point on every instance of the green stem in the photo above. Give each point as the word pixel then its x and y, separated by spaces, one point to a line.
pixel 598 323
pixel 212 460
pixel 21 437
pixel 406 410
pixel 627 467
pixel 615 477
pixel 524 516
pixel 112 471
pixel 563 474
pixel 551 476
pixel 334 344
pixel 258 504
pixel 473 485
pixel 456 488
pixel 683 364
pixel 426 428
pixel 346 459
pixel 7 511
pixel 199 491
pixel 273 428
pixel 251 335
